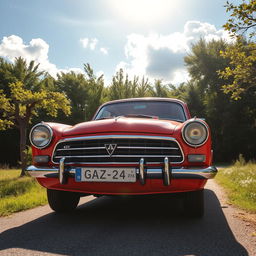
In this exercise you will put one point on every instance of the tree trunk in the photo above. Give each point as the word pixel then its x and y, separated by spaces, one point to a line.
pixel 23 139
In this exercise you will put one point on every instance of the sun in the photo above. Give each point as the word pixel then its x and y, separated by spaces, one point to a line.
pixel 143 11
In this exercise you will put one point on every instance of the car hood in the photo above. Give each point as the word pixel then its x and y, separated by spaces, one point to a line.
pixel 123 124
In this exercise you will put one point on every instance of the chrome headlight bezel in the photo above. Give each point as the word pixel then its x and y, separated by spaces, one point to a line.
pixel 195 142
pixel 45 128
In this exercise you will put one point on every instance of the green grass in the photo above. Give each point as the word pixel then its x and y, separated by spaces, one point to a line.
pixel 19 193
pixel 239 182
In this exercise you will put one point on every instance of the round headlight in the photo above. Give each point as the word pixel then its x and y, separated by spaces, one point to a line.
pixel 195 133
pixel 40 136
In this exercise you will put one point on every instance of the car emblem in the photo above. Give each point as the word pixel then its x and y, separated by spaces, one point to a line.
pixel 110 148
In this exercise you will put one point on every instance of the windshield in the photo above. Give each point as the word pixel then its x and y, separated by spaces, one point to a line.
pixel 154 109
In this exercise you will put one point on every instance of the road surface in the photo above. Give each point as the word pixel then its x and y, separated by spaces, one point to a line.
pixel 125 226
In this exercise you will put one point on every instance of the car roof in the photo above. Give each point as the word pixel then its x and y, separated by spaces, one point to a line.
pixel 145 99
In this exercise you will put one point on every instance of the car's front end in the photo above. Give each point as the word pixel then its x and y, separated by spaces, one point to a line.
pixel 125 154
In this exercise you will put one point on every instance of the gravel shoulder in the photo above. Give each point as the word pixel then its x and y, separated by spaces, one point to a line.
pixel 242 223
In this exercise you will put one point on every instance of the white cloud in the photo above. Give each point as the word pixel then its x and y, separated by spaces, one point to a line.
pixel 84 42
pixel 104 50
pixel 89 43
pixel 37 50
pixel 161 56
pixel 93 43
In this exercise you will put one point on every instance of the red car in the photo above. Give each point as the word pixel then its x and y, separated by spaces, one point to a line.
pixel 131 147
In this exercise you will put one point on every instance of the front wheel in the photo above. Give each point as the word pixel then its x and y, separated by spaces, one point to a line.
pixel 62 201
pixel 194 204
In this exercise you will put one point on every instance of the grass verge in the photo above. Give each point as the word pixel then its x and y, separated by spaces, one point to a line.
pixel 239 181
pixel 19 193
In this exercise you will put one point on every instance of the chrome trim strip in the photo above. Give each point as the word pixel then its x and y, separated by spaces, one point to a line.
pixel 123 147
pixel 62 170
pixel 125 156
pixel 166 172
pixel 104 163
pixel 142 172
pixel 207 173
pixel 62 149
pixel 100 137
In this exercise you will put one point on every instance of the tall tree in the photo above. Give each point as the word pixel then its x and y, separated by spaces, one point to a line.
pixel 95 88
pixel 241 70
pixel 75 86
pixel 159 90
pixel 240 73
pixel 143 88
pixel 22 98
pixel 228 118
pixel 203 63
pixel 122 87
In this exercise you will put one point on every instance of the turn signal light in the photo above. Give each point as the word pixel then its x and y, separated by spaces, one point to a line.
pixel 41 159
pixel 196 158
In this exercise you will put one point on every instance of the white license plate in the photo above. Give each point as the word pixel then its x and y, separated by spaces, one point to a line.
pixel 106 174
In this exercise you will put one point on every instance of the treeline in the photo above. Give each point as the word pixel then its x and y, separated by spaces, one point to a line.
pixel 232 121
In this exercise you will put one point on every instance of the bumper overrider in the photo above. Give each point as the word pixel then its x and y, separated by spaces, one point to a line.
pixel 167 173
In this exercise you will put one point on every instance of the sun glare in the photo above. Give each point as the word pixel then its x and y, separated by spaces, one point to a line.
pixel 143 11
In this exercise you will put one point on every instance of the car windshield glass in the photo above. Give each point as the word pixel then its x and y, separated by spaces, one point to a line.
pixel 143 109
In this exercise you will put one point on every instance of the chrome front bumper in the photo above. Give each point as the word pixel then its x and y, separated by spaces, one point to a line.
pixel 166 173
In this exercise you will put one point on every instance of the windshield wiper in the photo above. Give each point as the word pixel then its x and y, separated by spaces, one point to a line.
pixel 178 120
pixel 140 116
pixel 102 118
pixel 173 119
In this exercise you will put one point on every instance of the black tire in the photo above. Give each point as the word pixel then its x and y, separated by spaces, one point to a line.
pixel 62 201
pixel 194 204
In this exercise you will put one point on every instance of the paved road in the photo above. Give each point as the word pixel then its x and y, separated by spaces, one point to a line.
pixel 142 226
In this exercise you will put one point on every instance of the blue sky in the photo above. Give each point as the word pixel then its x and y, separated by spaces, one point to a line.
pixel 144 37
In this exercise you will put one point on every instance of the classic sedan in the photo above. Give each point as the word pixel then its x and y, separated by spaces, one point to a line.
pixel 137 146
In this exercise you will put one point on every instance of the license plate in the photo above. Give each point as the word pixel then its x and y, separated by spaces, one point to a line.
pixel 106 174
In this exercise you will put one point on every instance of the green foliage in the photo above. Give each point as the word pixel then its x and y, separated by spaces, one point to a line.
pixel 240 183
pixel 142 87
pixel 232 122
pixel 122 87
pixel 240 161
pixel 95 91
pixel 159 90
pixel 75 88
pixel 241 69
pixel 23 94
pixel 23 103
pixel 242 19
pixel 19 193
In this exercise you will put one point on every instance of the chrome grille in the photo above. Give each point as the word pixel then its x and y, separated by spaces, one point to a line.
pixel 124 149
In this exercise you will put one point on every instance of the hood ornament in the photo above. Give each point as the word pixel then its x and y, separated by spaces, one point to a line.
pixel 110 148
